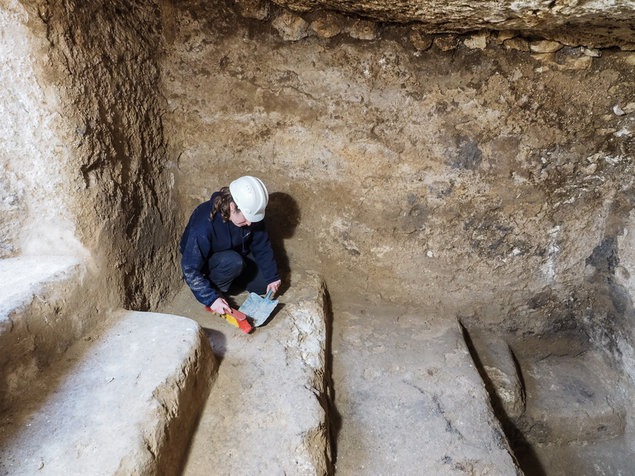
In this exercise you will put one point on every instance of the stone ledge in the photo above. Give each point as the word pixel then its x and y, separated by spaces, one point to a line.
pixel 32 328
pixel 267 411
pixel 587 22
pixel 411 398
pixel 23 277
pixel 123 401
pixel 573 399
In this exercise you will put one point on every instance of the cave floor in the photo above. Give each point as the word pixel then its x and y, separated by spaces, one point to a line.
pixel 406 398
pixel 406 394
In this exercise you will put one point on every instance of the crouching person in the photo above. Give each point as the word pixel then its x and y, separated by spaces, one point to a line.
pixel 225 244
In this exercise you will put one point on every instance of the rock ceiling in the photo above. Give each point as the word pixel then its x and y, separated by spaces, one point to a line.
pixel 599 23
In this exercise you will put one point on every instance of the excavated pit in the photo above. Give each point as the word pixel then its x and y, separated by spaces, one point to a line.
pixel 483 178
pixel 485 184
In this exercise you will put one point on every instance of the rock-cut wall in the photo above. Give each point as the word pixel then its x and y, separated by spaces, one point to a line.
pixel 86 208
pixel 467 174
pixel 92 114
pixel 33 154
pixel 599 23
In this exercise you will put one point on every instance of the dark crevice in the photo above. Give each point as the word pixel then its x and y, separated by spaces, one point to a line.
pixel 333 417
pixel 524 455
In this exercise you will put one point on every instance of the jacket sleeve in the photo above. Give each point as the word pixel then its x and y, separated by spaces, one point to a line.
pixel 193 263
pixel 263 253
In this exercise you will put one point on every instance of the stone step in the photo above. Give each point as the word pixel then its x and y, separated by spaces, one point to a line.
pixel 32 331
pixel 555 389
pixel 23 277
pixel 499 369
pixel 410 398
pixel 573 399
pixel 268 410
pixel 123 400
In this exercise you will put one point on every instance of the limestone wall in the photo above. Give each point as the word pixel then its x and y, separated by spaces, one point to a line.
pixel 471 175
pixel 597 22
pixel 85 153
pixel 34 157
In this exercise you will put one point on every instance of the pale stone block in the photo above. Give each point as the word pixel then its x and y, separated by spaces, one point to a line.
pixel 123 401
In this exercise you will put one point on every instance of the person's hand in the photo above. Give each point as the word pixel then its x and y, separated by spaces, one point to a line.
pixel 274 287
pixel 220 306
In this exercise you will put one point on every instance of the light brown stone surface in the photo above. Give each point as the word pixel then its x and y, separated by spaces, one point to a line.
pixel 603 22
pixel 267 411
pixel 409 397
pixel 124 401
pixel 489 183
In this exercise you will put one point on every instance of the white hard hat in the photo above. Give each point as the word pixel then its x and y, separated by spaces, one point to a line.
pixel 250 196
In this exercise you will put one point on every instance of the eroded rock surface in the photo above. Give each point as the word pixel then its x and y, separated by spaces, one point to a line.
pixel 124 401
pixel 267 411
pixel 603 23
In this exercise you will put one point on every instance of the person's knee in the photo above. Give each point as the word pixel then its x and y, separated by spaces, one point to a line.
pixel 231 263
pixel 226 265
pixel 235 265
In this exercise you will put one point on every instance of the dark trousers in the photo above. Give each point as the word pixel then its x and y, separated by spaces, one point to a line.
pixel 230 271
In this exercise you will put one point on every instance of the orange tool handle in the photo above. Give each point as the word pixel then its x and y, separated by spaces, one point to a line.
pixel 236 319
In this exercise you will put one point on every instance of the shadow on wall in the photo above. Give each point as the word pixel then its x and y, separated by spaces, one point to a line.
pixel 283 217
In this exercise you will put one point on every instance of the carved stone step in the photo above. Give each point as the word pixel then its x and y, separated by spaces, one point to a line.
pixel 122 401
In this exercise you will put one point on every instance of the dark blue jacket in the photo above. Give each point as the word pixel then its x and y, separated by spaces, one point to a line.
pixel 205 235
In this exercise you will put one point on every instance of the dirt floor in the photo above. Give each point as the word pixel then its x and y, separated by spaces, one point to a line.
pixel 575 396
pixel 469 178
pixel 387 359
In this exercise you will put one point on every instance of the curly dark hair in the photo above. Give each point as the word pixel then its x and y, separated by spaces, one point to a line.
pixel 221 204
